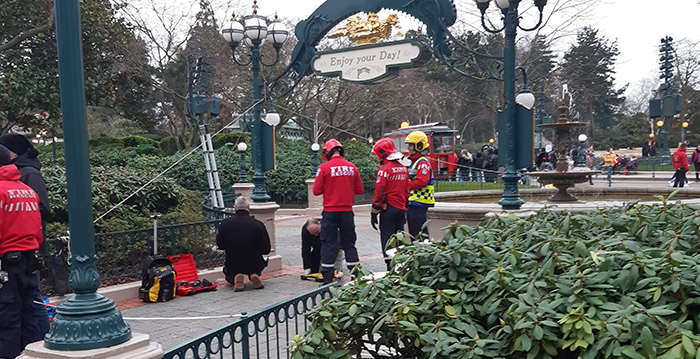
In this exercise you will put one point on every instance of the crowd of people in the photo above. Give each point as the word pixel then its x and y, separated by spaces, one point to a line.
pixel 482 165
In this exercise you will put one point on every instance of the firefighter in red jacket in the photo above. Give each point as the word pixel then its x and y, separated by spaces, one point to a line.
pixel 421 184
pixel 20 237
pixel 390 193
pixel 338 181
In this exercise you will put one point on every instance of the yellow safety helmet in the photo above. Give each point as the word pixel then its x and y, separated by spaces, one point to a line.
pixel 419 140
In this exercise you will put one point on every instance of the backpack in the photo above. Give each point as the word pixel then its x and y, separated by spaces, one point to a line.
pixel 157 280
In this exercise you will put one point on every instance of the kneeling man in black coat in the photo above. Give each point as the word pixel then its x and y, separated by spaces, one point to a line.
pixel 245 240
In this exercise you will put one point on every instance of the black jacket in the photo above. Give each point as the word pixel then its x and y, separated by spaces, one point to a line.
pixel 29 167
pixel 245 240
pixel 464 162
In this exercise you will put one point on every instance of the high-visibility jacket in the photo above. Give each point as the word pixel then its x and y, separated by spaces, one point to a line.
pixel 422 189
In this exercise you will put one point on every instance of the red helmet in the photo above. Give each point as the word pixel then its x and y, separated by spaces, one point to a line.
pixel 383 148
pixel 329 146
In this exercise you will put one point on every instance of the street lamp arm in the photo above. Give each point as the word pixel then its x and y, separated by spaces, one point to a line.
pixel 460 56
pixel 235 58
pixel 277 58
pixel 539 22
pixel 487 28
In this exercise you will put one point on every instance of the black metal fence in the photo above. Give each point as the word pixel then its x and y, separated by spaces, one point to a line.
pixel 264 334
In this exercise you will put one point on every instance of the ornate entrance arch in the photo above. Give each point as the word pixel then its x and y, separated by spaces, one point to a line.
pixel 436 15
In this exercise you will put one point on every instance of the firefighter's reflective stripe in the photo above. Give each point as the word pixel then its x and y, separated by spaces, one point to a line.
pixel 425 195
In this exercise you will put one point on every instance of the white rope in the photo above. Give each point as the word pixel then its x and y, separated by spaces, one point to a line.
pixel 173 165
pixel 186 318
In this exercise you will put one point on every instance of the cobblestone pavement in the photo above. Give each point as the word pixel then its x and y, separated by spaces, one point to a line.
pixel 279 286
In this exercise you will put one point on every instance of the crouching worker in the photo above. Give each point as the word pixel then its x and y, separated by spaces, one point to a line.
pixel 390 193
pixel 20 237
pixel 245 241
pixel 311 249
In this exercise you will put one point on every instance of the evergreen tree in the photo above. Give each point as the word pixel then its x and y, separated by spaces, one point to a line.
pixel 588 70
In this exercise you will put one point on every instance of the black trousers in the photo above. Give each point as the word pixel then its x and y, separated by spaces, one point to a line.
pixel 680 177
pixel 20 324
pixel 311 253
pixel 391 220
pixel 416 216
pixel 333 224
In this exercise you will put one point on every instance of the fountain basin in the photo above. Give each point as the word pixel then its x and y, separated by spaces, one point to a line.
pixel 471 207
pixel 562 181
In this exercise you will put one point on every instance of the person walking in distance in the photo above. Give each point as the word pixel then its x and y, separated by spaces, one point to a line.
pixel 20 238
pixel 695 159
pixel 609 163
pixel 680 164
pixel 390 193
pixel 421 185
pixel 245 240
pixel 338 181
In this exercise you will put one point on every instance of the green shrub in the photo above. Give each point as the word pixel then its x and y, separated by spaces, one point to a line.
pixel 221 139
pixel 361 155
pixel 148 149
pixel 104 142
pixel 610 283
pixel 168 145
pixel 135 141
pixel 111 185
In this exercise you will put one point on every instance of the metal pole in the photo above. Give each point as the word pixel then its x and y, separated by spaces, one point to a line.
pixel 86 320
pixel 314 163
pixel 665 156
pixel 259 193
pixel 511 199
pixel 242 175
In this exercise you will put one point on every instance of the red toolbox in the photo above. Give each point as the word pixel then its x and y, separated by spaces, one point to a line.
pixel 188 282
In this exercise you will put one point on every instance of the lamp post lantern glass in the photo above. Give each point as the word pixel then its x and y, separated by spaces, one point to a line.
pixel 254 31
pixel 581 150
pixel 242 174
pixel 511 22
pixel 314 159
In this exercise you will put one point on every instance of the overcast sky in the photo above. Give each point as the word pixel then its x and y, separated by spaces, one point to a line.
pixel 637 25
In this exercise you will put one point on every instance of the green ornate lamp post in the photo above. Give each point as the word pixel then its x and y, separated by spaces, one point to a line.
pixel 314 159
pixel 511 22
pixel 581 161
pixel 254 32
pixel 242 147
pixel 87 320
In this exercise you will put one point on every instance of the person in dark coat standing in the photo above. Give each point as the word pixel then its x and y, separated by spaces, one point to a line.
pixel 245 241
pixel 24 156
pixel 20 237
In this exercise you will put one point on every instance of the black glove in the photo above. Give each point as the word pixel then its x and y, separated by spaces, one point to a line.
pixel 373 220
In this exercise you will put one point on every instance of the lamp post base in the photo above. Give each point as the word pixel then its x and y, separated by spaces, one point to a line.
pixel 87 321
pixel 511 200
pixel 139 346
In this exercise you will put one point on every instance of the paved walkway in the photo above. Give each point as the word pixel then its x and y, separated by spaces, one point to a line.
pixel 279 286
pixel 285 284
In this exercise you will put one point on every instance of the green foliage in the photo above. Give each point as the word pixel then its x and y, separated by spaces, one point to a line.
pixel 135 141
pixel 361 155
pixel 111 185
pixel 620 283
pixel 168 145
pixel 221 139
pixel 104 142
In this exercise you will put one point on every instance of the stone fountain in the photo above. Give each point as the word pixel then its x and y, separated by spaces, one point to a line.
pixel 562 178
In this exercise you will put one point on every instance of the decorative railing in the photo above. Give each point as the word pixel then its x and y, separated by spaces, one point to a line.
pixel 264 334
pixel 120 254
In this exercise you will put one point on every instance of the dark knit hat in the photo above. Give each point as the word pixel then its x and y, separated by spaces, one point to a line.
pixel 16 143
pixel 4 156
